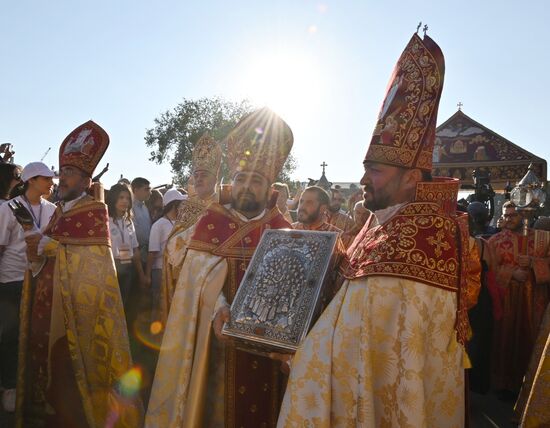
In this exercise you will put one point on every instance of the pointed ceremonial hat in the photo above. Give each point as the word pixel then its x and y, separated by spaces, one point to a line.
pixel 260 143
pixel 84 147
pixel 207 155
pixel 405 131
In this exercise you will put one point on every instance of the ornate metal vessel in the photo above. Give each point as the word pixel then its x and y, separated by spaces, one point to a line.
pixel 282 292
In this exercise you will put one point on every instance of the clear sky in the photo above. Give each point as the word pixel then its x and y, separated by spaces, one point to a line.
pixel 323 65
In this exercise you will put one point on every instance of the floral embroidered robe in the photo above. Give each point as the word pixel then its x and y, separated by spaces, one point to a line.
pixel 198 381
pixel 189 212
pixel 523 304
pixel 73 338
pixel 387 351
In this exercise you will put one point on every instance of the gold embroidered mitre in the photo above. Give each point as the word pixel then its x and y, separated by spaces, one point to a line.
pixel 405 131
pixel 84 147
pixel 207 155
pixel 260 142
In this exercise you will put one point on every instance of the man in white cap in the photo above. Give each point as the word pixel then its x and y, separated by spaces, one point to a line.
pixel 160 231
pixel 13 264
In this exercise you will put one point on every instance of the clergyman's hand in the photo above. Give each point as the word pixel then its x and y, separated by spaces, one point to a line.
pixel 524 261
pixel 520 275
pixel 222 316
pixel 285 359
pixel 32 242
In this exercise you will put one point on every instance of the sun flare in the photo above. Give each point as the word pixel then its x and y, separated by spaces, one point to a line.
pixel 288 84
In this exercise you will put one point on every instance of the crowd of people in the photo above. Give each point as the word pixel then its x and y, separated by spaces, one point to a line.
pixel 112 302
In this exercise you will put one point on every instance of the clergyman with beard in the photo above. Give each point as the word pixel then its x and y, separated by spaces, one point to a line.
pixel 520 267
pixel 334 213
pixel 388 349
pixel 314 203
pixel 73 337
pixel 312 210
pixel 201 379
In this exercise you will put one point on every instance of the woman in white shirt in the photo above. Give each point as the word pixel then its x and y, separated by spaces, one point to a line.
pixel 160 231
pixel 124 242
pixel 38 184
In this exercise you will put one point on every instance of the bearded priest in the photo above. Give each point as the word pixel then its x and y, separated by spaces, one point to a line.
pixel 201 379
pixel 388 350
pixel 206 161
pixel 74 355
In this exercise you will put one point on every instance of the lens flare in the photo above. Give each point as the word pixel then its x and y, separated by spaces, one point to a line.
pixel 156 327
pixel 290 83
pixel 312 29
pixel 130 382
pixel 147 332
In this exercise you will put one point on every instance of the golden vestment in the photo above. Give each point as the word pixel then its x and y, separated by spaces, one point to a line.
pixel 198 382
pixel 533 405
pixel 73 336
pixel 189 212
pixel 342 221
pixel 387 351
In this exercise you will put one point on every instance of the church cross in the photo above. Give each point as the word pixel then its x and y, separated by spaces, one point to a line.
pixel 425 29
pixel 459 105
pixel 324 164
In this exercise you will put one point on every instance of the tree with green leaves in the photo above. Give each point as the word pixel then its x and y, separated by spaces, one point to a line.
pixel 176 131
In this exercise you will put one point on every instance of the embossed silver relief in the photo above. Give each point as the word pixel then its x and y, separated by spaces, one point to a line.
pixel 280 294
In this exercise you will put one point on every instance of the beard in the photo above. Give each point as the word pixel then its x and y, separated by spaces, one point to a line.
pixel 334 208
pixel 378 200
pixel 514 226
pixel 246 202
pixel 308 219
pixel 68 194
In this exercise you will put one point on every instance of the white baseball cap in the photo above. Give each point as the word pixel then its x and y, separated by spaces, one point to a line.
pixel 172 195
pixel 36 169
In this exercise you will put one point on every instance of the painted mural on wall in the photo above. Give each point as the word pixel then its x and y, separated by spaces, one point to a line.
pixel 463 145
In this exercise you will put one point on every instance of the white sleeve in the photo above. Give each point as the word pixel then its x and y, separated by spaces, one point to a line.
pixel 133 236
pixel 7 220
pixel 49 209
pixel 154 237
pixel 43 242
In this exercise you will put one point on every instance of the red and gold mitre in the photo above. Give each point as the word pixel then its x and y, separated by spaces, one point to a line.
pixel 405 131
pixel 84 147
pixel 260 142
pixel 207 155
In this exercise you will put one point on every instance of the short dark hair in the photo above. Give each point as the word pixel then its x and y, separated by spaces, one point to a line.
pixel 139 182
pixel 112 198
pixel 156 196
pixel 322 195
pixel 508 204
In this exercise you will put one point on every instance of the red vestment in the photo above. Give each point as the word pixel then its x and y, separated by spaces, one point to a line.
pixel 73 337
pixel 253 384
pixel 523 303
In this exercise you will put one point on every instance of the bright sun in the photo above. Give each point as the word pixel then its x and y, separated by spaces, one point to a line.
pixel 288 84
